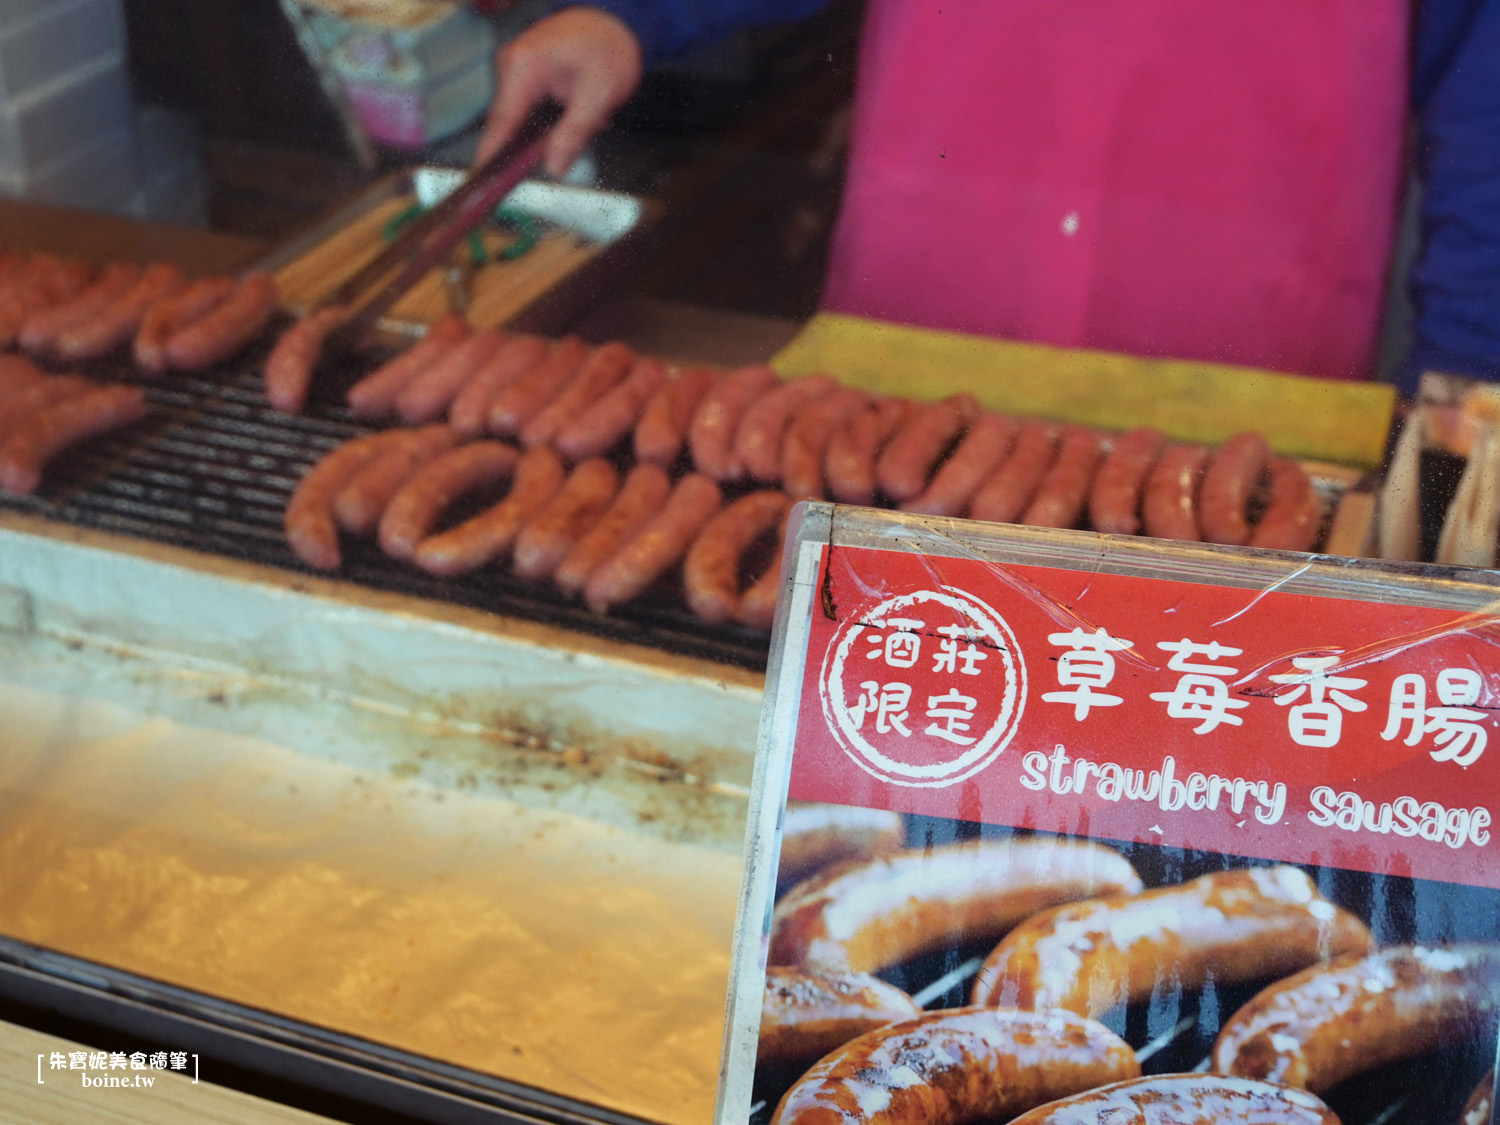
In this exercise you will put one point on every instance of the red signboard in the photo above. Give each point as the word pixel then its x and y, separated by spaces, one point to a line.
pixel 1252 722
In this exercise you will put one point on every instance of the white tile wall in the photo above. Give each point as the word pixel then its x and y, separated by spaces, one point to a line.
pixel 58 39
pixel 69 132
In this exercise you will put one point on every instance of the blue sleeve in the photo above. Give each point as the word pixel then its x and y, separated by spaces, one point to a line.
pixel 669 27
pixel 1456 282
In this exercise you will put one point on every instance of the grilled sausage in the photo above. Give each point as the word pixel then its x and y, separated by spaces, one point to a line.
pixel 711 434
pixel 43 327
pixel 953 1067
pixel 864 915
pixel 21 272
pixel 656 547
pixel 227 328
pixel 1476 1110
pixel 1329 1022
pixel 1232 475
pixel 644 492
pixel 604 367
pixel 43 283
pixel 711 572
pixel 101 332
pixel 1170 509
pixel 854 450
pixel 412 512
pixel 1228 927
pixel 603 423
pixel 1005 496
pixel 427 396
pixel 1116 496
pixel 908 461
pixel 1064 490
pixel 518 403
pixel 662 428
pixel 804 451
pixel 539 474
pixel 16 373
pixel 37 439
pixel 982 451
pixel 12 265
pixel 39 394
pixel 470 412
pixel 805 1016
pixel 168 315
pixel 309 522
pixel 374 396
pixel 1185 1099
pixel 289 367
pixel 13 269
pixel 1292 520
pixel 364 498
pixel 757 608
pixel 577 506
pixel 763 426
pixel 814 836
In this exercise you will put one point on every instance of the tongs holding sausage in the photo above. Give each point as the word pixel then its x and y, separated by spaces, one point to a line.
pixel 427 242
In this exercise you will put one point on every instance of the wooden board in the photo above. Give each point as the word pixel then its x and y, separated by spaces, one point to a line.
pixel 497 291
pixel 1323 419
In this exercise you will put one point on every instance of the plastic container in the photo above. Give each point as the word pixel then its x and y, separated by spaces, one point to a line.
pixel 414 74
pixel 403 109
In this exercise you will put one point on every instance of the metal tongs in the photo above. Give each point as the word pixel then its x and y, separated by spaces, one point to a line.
pixel 426 242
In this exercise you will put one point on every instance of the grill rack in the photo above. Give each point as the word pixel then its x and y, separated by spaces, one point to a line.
pixel 212 467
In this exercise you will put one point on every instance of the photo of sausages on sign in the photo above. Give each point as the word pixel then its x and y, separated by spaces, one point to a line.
pixel 924 970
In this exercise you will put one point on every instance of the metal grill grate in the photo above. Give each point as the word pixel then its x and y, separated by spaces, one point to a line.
pixel 212 468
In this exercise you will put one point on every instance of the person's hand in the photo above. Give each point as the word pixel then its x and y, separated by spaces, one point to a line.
pixel 584 58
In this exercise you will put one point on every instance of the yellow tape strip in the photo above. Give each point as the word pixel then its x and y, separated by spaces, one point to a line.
pixel 1323 419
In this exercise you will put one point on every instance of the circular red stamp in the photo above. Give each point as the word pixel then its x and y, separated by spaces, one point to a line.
pixel 925 688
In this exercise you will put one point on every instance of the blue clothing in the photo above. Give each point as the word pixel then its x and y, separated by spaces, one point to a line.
pixel 1456 281
pixel 669 27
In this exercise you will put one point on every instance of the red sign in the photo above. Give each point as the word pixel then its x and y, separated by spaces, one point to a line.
pixel 1311 729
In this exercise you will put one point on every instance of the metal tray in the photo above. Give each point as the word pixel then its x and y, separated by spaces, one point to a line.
pixel 410 853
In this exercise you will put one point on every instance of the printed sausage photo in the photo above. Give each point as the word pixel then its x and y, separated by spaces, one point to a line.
pixel 864 915
pixel 1319 1027
pixel 1252 923
pixel 970 1064
pixel 805 1016
pixel 1185 1099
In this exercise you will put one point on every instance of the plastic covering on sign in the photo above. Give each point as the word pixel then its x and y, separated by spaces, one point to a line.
pixel 1055 827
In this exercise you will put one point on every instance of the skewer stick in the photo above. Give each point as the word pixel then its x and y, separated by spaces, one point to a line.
pixel 1166 1038
pixel 947 981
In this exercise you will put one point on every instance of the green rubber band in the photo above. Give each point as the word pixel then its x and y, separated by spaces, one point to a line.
pixel 526 228
pixel 400 219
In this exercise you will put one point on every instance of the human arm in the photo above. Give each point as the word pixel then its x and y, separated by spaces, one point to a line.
pixel 591 57
pixel 1456 282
